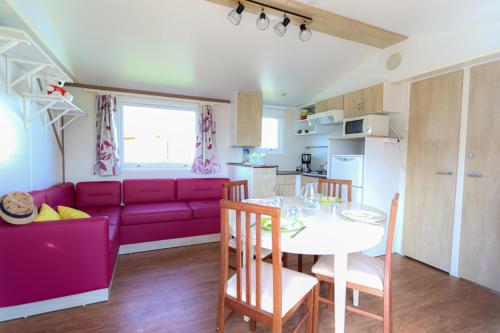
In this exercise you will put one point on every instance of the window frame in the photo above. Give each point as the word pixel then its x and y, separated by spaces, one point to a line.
pixel 276 113
pixel 155 103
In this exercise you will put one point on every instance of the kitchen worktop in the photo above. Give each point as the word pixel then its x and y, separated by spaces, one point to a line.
pixel 287 173
pixel 248 165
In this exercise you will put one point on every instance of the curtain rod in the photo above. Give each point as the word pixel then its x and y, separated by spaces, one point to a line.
pixel 156 94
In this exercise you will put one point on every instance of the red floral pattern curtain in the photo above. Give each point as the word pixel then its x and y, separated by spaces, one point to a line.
pixel 107 157
pixel 205 154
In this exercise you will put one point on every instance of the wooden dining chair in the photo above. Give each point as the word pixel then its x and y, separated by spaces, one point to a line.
pixel 366 274
pixel 238 191
pixel 266 293
pixel 333 188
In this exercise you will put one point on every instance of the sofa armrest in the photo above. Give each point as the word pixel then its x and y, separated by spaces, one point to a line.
pixel 40 261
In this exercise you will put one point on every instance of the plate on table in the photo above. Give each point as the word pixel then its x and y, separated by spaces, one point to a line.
pixel 364 216
pixel 329 199
pixel 287 225
pixel 262 202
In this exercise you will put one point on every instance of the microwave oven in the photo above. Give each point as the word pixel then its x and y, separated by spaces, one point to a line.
pixel 363 126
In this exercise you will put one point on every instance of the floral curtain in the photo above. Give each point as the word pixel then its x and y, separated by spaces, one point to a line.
pixel 107 158
pixel 205 161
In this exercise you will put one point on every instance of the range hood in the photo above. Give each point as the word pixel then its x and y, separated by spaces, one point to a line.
pixel 327 117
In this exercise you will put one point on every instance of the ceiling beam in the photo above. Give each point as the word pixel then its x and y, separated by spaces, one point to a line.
pixel 324 21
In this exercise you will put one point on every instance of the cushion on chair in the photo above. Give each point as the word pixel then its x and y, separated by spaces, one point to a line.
pixel 294 287
pixel 363 270
pixel 263 252
pixel 155 212
pixel 148 190
pixel 205 208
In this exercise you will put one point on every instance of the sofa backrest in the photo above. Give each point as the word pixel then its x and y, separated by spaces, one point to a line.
pixel 148 190
pixel 61 195
pixel 200 188
pixel 39 197
pixel 98 194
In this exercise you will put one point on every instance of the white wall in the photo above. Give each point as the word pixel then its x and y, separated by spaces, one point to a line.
pixel 80 140
pixel 29 157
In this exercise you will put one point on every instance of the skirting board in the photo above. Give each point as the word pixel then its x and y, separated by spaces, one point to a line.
pixel 168 243
pixel 31 309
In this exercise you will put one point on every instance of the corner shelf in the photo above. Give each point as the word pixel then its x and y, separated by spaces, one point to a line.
pixel 303 125
pixel 25 63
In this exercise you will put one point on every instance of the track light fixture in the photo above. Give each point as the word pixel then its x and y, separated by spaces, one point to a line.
pixel 262 21
pixel 234 15
pixel 304 33
pixel 280 28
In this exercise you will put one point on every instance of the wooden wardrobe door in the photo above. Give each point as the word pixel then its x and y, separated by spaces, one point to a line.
pixel 434 126
pixel 480 235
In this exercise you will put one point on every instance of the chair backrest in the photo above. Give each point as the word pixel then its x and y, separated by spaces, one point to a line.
pixel 235 190
pixel 252 213
pixel 390 238
pixel 333 187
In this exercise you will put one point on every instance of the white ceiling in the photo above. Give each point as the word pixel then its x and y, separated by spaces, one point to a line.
pixel 188 46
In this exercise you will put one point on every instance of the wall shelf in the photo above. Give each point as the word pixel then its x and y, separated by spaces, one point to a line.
pixel 26 63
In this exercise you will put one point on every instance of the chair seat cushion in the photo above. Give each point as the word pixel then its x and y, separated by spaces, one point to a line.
pixel 263 252
pixel 205 208
pixel 363 270
pixel 294 287
pixel 134 214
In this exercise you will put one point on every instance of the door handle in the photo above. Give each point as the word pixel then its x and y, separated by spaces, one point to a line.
pixel 445 173
pixel 474 174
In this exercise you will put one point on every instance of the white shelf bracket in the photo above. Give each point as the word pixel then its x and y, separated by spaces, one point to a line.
pixel 7 46
pixel 28 75
pixel 68 123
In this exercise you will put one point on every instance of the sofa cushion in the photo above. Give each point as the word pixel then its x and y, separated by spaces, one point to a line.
pixel 189 189
pixel 68 191
pixel 113 214
pixel 205 208
pixel 98 194
pixel 39 198
pixel 155 212
pixel 148 190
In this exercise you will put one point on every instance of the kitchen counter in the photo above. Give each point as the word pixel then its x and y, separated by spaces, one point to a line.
pixel 248 165
pixel 299 173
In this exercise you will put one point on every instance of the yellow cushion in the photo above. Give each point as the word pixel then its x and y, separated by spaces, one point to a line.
pixel 47 213
pixel 71 213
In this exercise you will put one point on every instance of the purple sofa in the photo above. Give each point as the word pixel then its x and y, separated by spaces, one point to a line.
pixel 47 260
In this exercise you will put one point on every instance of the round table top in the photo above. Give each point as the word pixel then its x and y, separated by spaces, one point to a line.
pixel 326 232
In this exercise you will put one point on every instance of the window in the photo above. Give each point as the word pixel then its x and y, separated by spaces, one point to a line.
pixel 156 135
pixel 272 130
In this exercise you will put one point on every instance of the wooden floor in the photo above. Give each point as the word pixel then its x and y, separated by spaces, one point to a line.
pixel 175 290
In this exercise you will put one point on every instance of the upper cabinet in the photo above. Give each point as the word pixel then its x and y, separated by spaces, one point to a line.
pixel 382 97
pixel 247 119
pixel 334 103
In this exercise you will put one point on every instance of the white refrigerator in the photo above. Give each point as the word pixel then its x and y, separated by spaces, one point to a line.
pixel 348 167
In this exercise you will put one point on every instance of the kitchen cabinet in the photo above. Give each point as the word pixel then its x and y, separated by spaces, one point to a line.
pixel 382 97
pixel 433 138
pixel 334 103
pixel 247 119
pixel 285 185
pixel 480 230
pixel 261 179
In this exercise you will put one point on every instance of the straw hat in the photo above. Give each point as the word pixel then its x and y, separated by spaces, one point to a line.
pixel 18 208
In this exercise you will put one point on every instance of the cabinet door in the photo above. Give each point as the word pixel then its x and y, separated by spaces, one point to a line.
pixel 248 119
pixel 285 185
pixel 372 99
pixel 264 182
pixel 435 106
pixel 480 234
pixel 352 104
pixel 334 103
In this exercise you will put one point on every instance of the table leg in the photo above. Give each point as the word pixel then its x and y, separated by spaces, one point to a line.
pixel 340 290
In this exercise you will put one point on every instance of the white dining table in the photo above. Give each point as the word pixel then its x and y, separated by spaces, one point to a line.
pixel 327 232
